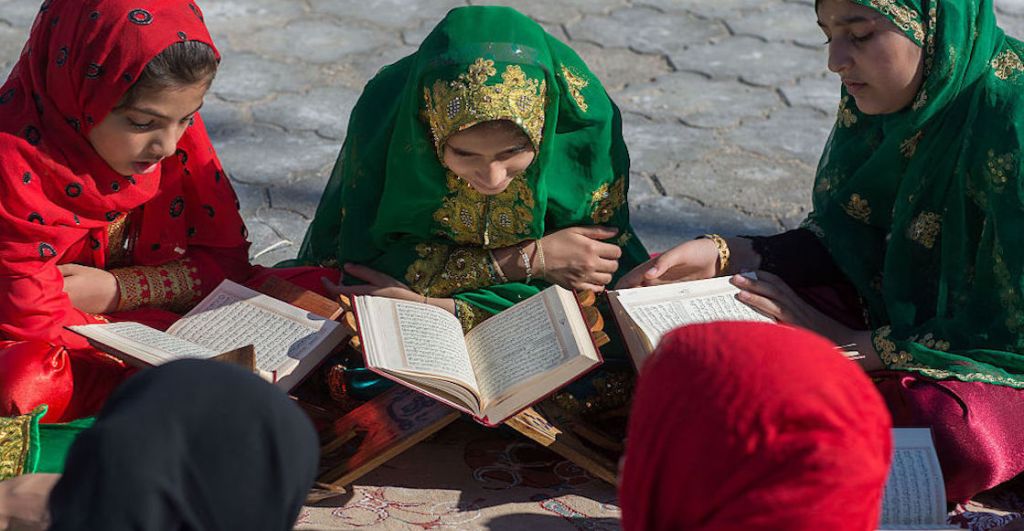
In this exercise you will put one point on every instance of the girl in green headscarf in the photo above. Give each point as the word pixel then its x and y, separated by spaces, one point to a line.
pixel 477 171
pixel 919 213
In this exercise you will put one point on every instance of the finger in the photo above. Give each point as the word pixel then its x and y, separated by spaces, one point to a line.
pixel 598 232
pixel 608 250
pixel 634 278
pixel 602 279
pixel 758 287
pixel 662 263
pixel 332 289
pixel 370 275
pixel 606 266
pixel 767 306
pixel 586 286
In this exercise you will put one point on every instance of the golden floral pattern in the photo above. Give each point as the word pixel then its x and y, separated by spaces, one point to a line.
pixel 452 106
pixel 607 199
pixel 909 146
pixel 896 358
pixel 858 208
pixel 1009 295
pixel 845 117
pixel 491 221
pixel 921 100
pixel 443 270
pixel 999 169
pixel 576 83
pixel 173 286
pixel 1007 65
pixel 14 444
pixel 118 246
pixel 904 17
pixel 469 315
pixel 925 229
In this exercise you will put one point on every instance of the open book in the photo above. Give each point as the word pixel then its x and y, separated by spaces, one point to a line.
pixel 915 497
pixel 646 314
pixel 288 342
pixel 502 366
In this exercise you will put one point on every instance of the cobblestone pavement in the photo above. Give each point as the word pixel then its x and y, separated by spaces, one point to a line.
pixel 727 103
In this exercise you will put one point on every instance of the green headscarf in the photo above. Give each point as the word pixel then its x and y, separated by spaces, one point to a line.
pixel 391 205
pixel 923 209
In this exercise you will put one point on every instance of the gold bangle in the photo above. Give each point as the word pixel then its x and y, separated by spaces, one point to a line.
pixel 541 266
pixel 723 249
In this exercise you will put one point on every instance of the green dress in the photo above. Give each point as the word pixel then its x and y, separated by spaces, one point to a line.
pixel 392 205
pixel 28 447
pixel 923 209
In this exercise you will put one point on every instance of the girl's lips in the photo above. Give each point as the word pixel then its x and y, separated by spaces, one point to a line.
pixel 142 168
pixel 853 86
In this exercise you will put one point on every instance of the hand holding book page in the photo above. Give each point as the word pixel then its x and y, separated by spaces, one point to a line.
pixel 648 313
pixel 502 366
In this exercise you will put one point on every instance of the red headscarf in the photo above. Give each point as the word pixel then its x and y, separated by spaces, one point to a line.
pixel 753 426
pixel 58 194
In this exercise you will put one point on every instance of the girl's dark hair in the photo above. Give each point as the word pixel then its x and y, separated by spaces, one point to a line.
pixel 180 65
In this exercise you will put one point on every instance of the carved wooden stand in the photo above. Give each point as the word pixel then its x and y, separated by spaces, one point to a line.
pixel 397 419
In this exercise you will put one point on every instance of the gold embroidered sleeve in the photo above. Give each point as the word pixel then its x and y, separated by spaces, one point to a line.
pixel 173 286
pixel 442 270
pixel 15 442
pixel 469 315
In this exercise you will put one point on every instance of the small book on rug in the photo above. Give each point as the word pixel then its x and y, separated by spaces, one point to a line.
pixel 915 496
pixel 285 342
pixel 646 314
pixel 502 366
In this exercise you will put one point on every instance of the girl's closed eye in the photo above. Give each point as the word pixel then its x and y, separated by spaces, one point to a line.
pixel 862 38
pixel 142 126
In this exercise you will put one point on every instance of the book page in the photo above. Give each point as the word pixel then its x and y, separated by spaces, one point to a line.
pixel 148 345
pixel 234 316
pixel 429 348
pixel 657 310
pixel 915 496
pixel 521 342
pixel 404 336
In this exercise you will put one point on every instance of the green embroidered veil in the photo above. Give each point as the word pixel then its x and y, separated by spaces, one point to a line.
pixel 391 205
pixel 923 209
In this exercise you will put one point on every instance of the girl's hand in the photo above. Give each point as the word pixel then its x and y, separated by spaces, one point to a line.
pixel 690 260
pixel 576 258
pixel 90 289
pixel 771 296
pixel 377 284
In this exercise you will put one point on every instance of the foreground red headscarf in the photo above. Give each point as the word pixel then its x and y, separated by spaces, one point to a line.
pixel 59 197
pixel 753 426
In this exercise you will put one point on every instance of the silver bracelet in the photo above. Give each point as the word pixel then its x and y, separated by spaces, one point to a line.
pixel 526 262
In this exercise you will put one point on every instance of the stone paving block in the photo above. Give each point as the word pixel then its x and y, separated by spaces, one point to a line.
pixel 789 22
pixel 19 14
pixel 244 77
pixel 559 12
pixel 618 67
pixel 322 40
pixel 753 61
pixel 251 197
pixel 650 31
pixel 664 222
pixel 12 40
pixel 657 148
pixel 750 183
pixel 324 110
pixel 243 16
pixel 289 228
pixel 1010 7
pixel 259 154
pixel 219 115
pixel 1012 25
pixel 698 101
pixel 710 8
pixel 300 195
pixel 387 13
pixel 799 133
pixel 821 93
pixel 268 247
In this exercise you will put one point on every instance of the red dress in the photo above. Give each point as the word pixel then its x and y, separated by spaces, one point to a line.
pixel 169 237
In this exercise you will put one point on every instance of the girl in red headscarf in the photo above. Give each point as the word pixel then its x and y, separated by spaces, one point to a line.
pixel 115 206
pixel 753 426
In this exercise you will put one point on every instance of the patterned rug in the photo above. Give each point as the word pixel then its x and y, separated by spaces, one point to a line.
pixel 472 477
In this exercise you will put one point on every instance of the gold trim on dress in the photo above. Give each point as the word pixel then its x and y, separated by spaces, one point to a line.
pixel 909 146
pixel 576 83
pixel 925 229
pixel 15 440
pixel 845 117
pixel 607 199
pixel 904 17
pixel 173 286
pixel 491 221
pixel 858 208
pixel 452 106
pixel 443 270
